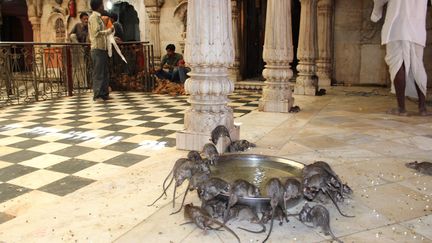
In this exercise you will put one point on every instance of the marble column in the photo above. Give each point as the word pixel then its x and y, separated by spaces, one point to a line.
pixel 306 84
pixel 209 51
pixel 277 54
pixel 154 19
pixel 324 60
pixel 234 70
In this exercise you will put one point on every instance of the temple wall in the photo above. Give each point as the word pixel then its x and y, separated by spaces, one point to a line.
pixel 358 53
pixel 171 28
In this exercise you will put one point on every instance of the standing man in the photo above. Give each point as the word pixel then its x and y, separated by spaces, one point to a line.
pixel 81 29
pixel 175 64
pixel 404 34
pixel 99 54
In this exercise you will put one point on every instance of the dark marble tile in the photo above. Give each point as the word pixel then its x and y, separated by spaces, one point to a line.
pixel 170 142
pixel 126 159
pixel 66 185
pixel 42 120
pixel 179 121
pixel 73 151
pixel 20 156
pixel 7 122
pixel 112 120
pixel 146 118
pixel 160 132
pixel 71 166
pixel 115 127
pixel 75 124
pixel 121 146
pixel 176 115
pixel 27 144
pixel 250 104
pixel 9 191
pixel 153 124
pixel 4 217
pixel 173 110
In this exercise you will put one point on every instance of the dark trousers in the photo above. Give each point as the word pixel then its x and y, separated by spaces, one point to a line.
pixel 178 75
pixel 100 75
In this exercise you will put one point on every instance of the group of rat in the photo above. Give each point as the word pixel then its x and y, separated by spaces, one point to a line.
pixel 220 198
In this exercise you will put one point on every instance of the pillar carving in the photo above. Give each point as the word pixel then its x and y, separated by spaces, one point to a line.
pixel 277 54
pixel 306 84
pixel 153 13
pixel 209 52
pixel 324 60
pixel 234 70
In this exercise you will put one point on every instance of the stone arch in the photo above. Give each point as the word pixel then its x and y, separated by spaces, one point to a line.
pixel 142 17
pixel 55 28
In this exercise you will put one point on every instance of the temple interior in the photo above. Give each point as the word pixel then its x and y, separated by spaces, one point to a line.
pixel 76 170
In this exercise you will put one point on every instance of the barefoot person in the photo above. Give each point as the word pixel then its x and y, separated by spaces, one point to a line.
pixel 404 34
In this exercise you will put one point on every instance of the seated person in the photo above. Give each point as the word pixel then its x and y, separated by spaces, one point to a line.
pixel 175 64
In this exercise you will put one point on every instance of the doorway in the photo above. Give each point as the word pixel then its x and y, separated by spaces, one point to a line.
pixel 252 31
pixel 128 17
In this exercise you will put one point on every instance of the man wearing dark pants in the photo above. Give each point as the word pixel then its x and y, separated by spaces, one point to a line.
pixel 99 54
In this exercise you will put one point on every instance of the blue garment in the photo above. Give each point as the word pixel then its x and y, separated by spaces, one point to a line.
pixel 178 74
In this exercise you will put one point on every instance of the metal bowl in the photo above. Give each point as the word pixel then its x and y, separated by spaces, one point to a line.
pixel 257 169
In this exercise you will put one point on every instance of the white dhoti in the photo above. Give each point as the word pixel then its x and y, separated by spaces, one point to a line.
pixel 410 54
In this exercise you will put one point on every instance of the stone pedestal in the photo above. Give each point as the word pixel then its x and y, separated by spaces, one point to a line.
pixel 324 61
pixel 277 53
pixel 209 52
pixel 306 84
pixel 153 13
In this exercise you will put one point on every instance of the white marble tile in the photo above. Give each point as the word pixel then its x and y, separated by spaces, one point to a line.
pixel 419 142
pixel 99 171
pixel 44 161
pixel 49 147
pixel 37 179
pixel 421 225
pixel 4 164
pixel 11 140
pixel 131 122
pixel 99 155
pixel 126 116
pixel 22 204
pixel 7 150
pixel 177 127
pixel 389 234
pixel 136 130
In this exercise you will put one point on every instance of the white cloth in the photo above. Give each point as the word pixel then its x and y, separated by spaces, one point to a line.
pixel 110 43
pixel 405 20
pixel 411 55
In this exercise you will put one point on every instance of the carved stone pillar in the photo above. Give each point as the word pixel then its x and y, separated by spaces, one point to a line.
pixel 209 52
pixel 324 61
pixel 277 54
pixel 154 18
pixel 306 84
pixel 234 70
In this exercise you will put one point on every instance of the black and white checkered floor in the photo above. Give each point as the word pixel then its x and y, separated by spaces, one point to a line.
pixel 60 146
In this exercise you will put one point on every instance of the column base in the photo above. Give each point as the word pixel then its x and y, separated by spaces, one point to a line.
pixel 275 105
pixel 324 82
pixel 195 141
pixel 301 90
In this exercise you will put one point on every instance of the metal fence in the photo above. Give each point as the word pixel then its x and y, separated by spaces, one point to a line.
pixel 40 71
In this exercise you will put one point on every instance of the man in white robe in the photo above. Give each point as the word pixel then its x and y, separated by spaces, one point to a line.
pixel 404 34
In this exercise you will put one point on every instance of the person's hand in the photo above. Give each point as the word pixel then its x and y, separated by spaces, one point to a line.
pixel 167 66
pixel 118 40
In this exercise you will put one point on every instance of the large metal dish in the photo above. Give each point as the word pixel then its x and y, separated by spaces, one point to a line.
pixel 257 169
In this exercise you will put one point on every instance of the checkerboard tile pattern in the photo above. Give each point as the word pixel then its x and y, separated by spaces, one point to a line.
pixel 60 146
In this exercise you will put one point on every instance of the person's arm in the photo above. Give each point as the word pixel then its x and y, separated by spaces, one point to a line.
pixel 96 31
pixel 74 29
pixel 377 10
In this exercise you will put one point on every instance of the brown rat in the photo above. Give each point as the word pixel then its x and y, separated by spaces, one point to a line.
pixel 422 167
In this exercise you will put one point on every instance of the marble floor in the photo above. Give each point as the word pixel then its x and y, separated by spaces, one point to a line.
pixel 76 171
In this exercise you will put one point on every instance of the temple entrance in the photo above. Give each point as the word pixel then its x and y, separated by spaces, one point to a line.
pixel 16 26
pixel 128 17
pixel 252 30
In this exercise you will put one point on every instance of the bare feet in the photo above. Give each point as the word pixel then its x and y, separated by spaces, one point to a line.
pixel 397 112
pixel 424 112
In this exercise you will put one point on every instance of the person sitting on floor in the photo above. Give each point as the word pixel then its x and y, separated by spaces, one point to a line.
pixel 175 64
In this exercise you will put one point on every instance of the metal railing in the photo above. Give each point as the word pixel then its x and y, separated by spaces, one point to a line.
pixel 39 71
